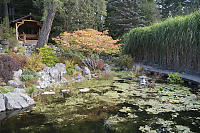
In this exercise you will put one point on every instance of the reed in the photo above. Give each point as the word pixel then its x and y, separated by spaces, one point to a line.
pixel 174 43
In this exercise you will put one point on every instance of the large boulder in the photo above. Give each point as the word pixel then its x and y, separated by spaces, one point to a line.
pixel 17 74
pixel 16 83
pixel 52 76
pixel 57 71
pixel 17 101
pixel 61 68
pixel 2 103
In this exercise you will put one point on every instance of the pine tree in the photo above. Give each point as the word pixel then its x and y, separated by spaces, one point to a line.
pixel 123 16
pixel 80 14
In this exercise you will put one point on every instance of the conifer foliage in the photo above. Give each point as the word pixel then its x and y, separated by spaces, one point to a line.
pixel 123 15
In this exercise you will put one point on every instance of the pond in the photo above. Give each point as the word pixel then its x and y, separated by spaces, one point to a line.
pixel 113 105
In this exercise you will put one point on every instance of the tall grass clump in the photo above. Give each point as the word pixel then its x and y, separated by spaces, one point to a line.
pixel 174 43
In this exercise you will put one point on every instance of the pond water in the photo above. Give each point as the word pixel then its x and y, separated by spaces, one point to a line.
pixel 117 105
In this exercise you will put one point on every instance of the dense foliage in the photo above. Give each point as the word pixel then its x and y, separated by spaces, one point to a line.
pixel 28 74
pixel 123 16
pixel 88 41
pixel 48 56
pixel 34 62
pixel 173 43
pixel 80 14
pixel 174 78
pixel 7 68
pixel 177 7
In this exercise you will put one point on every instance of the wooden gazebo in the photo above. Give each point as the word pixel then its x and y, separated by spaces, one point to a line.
pixel 27 28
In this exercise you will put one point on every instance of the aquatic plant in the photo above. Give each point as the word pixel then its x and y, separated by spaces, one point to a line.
pixel 174 78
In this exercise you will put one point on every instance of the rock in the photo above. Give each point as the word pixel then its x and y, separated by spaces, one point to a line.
pixel 57 71
pixel 43 84
pixel 16 83
pixel 48 93
pixel 106 68
pixel 79 78
pixel 17 74
pixel 52 76
pixel 55 74
pixel 84 90
pixel 86 71
pixel 19 90
pixel 61 68
pixel 17 101
pixel 2 103
pixel 77 68
pixel 88 77
pixel 28 99
pixel 94 75
pixel 65 93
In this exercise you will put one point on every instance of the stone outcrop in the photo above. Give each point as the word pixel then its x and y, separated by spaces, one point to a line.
pixel 2 103
pixel 52 76
pixel 13 101
pixel 16 83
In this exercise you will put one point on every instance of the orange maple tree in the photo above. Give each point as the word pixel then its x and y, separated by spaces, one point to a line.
pixel 89 40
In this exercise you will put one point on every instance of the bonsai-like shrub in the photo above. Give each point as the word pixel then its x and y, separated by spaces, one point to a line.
pixel 7 68
pixel 48 56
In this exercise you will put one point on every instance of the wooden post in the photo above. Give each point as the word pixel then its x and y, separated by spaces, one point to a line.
pixel 16 28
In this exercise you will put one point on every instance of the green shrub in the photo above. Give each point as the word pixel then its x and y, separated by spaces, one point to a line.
pixel 48 57
pixel 174 78
pixel 31 90
pixel 13 42
pixel 6 32
pixel 126 60
pixel 70 67
pixel 5 90
pixel 34 62
pixel 28 74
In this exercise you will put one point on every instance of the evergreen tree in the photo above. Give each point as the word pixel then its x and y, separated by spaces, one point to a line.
pixel 80 14
pixel 123 16
pixel 25 7
pixel 177 7
pixel 151 11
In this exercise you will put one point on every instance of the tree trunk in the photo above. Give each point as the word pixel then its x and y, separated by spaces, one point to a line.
pixel 47 24
pixel 6 14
